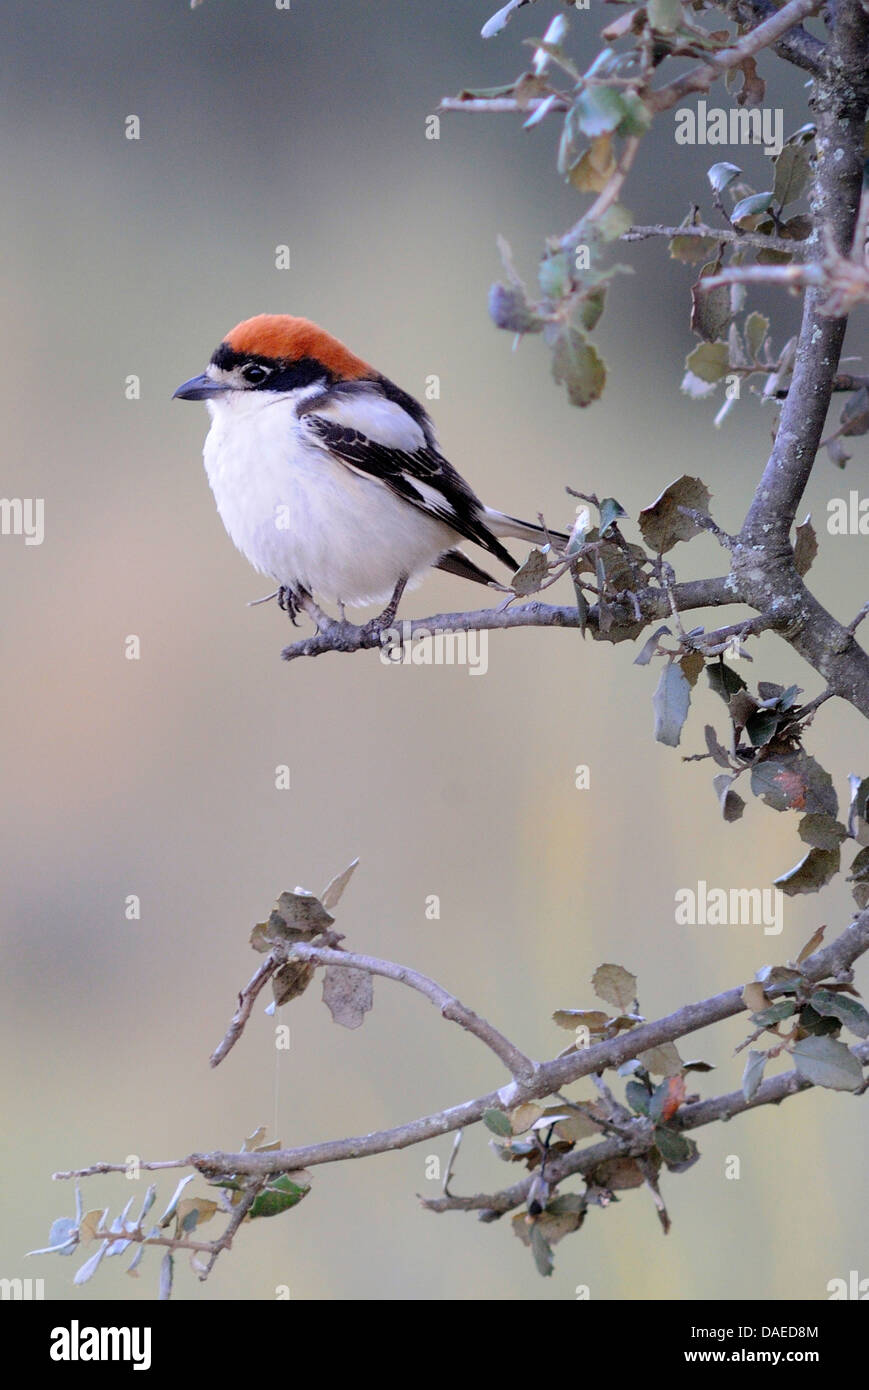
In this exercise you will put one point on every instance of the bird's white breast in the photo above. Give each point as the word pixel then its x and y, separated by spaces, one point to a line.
pixel 304 518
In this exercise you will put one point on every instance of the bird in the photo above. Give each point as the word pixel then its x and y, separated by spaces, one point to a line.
pixel 328 477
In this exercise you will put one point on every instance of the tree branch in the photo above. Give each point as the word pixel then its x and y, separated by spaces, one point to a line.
pixel 246 999
pixel 519 1066
pixel 637 1140
pixel 831 961
pixel 701 77
pixel 763 566
pixel 335 636
pixel 797 46
pixel 731 235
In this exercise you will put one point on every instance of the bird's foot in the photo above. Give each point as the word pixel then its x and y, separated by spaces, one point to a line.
pixel 291 601
pixel 375 627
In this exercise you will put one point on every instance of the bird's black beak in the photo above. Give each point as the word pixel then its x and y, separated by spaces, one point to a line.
pixel 198 388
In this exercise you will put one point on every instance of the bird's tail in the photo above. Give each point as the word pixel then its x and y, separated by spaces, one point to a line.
pixel 502 525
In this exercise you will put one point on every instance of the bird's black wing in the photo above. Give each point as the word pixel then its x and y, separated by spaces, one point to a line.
pixel 422 477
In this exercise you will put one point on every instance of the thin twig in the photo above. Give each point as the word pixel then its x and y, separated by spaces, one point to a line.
pixel 636 1140
pixel 246 1001
pixel 701 77
pixel 520 1067
pixel 699 230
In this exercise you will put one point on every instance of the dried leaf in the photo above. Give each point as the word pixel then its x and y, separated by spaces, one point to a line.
pixel 716 750
pixel 348 995
pixel 616 985
pixel 753 997
pixel 291 980
pixel 333 892
pixel 663 1060
pixel 805 547
pixel 811 945
pixel 663 524
pixel 530 575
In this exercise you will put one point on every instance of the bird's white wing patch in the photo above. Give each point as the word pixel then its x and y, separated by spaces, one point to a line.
pixel 372 414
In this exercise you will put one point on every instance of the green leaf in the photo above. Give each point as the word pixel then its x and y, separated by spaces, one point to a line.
pixel 691 250
pixel 664 15
pixel 498 1123
pixel 761 726
pixel 674 1148
pixel 792 173
pixel 279 1196
pixel 637 1096
pixel 848 1011
pixel 812 873
pixel 710 309
pixel 613 224
pixel 776 1013
pixel 724 680
pixel 821 831
pixel 709 361
pixel 638 117
pixel 592 307
pixel 827 1062
pixel 794 782
pixel 755 329
pixel 753 1074
pixel 577 366
pixel 859 877
pixel 610 511
pixel 542 1251
pixel 600 110
pixel 555 274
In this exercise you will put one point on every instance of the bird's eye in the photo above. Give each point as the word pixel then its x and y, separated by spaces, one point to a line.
pixel 254 373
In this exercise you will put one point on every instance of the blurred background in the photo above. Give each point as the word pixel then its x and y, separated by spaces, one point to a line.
pixel 156 776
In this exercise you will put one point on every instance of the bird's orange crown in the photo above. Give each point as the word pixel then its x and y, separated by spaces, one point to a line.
pixel 285 338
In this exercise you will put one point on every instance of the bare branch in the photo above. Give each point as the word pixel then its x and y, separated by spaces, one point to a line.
pixel 246 1000
pixel 334 636
pixel 519 1066
pixel 504 104
pixel 791 277
pixel 731 235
